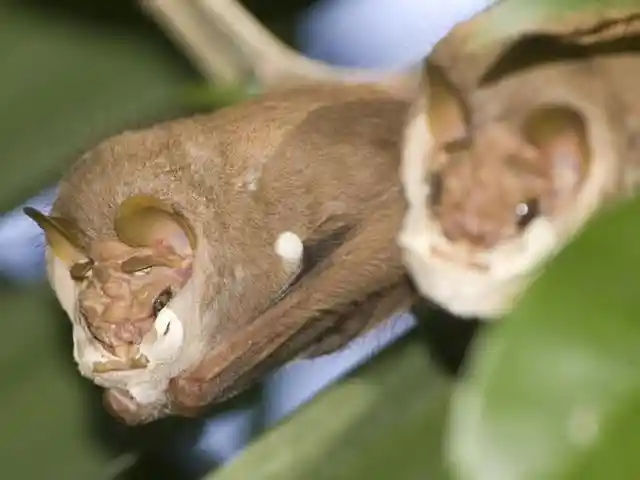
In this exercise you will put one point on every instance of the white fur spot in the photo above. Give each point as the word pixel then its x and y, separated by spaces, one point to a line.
pixel 289 246
pixel 252 177
pixel 163 321
pixel 169 338
pixel 522 209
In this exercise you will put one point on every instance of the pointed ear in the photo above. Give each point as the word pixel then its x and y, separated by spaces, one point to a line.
pixel 446 110
pixel 560 135
pixel 144 221
pixel 62 237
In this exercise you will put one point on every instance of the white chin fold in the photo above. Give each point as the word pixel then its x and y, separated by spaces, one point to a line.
pixel 162 347
pixel 461 291
pixel 469 292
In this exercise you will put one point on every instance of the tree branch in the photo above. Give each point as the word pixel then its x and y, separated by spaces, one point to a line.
pixel 229 45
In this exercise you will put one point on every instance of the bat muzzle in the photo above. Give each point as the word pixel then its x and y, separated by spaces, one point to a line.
pixel 125 357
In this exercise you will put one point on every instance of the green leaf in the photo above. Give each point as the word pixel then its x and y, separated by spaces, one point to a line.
pixel 44 404
pixel 69 79
pixel 383 421
pixel 553 391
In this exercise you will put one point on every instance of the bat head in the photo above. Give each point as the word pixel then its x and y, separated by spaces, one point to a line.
pixel 484 209
pixel 130 299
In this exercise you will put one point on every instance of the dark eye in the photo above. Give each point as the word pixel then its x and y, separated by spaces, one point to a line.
pixel 161 301
pixel 527 212
pixel 435 189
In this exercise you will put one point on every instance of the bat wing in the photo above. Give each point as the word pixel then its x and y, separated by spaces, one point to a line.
pixel 352 278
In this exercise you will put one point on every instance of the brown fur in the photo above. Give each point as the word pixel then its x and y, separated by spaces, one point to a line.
pixel 304 180
pixel 519 137
pixel 324 160
pixel 490 160
pixel 326 298
pixel 480 186
pixel 471 53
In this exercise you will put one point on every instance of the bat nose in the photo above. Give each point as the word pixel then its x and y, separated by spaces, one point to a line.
pixel 484 238
pixel 473 231
pixel 121 340
pixel 129 332
pixel 112 335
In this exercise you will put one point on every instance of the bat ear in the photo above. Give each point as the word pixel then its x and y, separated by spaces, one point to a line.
pixel 62 236
pixel 145 221
pixel 560 135
pixel 446 110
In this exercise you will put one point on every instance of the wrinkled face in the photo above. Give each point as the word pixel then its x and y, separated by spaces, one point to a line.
pixel 123 295
pixel 487 189
pixel 118 300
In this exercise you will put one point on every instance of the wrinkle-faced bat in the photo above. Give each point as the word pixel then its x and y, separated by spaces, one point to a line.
pixel 500 175
pixel 195 255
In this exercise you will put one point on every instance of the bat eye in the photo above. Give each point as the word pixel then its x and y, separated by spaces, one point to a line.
pixel 526 212
pixel 161 301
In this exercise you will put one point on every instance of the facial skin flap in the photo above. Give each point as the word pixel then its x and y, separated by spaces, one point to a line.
pixel 165 340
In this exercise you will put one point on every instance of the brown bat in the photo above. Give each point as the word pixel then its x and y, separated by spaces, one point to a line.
pixel 197 254
pixel 502 165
